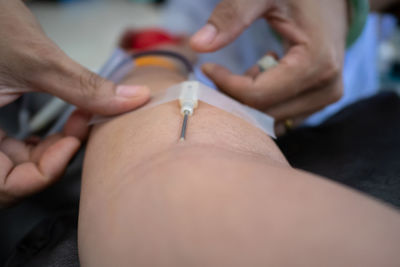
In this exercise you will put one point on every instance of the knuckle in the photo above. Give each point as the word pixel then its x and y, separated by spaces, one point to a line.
pixel 89 83
pixel 44 56
pixel 226 12
pixel 35 61
pixel 333 67
pixel 331 73
pixel 330 70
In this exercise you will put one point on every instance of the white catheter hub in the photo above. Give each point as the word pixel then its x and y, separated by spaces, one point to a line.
pixel 188 98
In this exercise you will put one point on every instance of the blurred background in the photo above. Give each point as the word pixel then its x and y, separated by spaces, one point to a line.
pixel 88 30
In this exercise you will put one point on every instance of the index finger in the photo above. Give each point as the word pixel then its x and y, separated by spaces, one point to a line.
pixel 289 78
pixel 239 87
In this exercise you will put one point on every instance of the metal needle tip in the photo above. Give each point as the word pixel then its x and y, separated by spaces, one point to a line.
pixel 184 126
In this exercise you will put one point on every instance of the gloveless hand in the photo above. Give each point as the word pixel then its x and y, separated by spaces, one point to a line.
pixel 27 167
pixel 31 62
pixel 308 77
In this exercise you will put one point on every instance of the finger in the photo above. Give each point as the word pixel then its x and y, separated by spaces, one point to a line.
pixel 20 152
pixel 307 103
pixel 264 90
pixel 28 178
pixel 269 61
pixel 253 72
pixel 6 166
pixel 22 181
pixel 36 152
pixel 288 79
pixel 237 86
pixel 228 20
pixel 293 75
pixel 302 67
pixel 56 158
pixel 17 151
pixel 85 89
pixel 7 99
pixel 78 124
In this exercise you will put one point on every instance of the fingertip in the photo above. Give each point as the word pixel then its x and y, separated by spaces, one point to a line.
pixel 132 97
pixel 56 158
pixel 208 68
pixel 201 41
pixel 218 74
pixel 78 124
pixel 131 91
pixel 126 98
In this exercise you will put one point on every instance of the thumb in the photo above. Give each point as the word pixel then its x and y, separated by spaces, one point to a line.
pixel 88 91
pixel 228 20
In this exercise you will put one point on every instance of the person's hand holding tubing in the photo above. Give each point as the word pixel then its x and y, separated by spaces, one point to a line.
pixel 31 62
pixel 308 77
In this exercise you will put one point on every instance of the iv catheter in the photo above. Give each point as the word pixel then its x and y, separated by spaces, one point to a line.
pixel 188 98
pixel 114 70
pixel 122 62
pixel 188 101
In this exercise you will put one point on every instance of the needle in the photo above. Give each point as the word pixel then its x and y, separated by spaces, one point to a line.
pixel 184 126
pixel 188 101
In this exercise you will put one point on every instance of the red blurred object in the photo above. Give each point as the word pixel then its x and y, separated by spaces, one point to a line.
pixel 147 39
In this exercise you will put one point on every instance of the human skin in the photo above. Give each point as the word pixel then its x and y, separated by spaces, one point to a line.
pixel 225 196
pixel 314 37
pixel 31 62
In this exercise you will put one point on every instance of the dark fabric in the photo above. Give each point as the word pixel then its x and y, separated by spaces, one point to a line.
pixel 359 147
pixel 53 243
pixel 16 222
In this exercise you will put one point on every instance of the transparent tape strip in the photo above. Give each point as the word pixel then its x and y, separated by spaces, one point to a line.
pixel 214 98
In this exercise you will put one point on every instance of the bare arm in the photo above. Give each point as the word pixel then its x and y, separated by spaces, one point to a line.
pixel 224 197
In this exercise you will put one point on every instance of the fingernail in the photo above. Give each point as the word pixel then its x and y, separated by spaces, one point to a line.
pixel 128 91
pixel 205 35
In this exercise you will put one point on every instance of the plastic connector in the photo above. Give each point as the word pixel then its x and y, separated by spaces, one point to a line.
pixel 188 98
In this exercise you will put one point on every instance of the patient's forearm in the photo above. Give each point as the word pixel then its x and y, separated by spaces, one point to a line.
pixel 224 197
pixel 147 132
